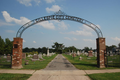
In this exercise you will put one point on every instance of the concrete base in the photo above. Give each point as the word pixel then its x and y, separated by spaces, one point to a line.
pixel 17 67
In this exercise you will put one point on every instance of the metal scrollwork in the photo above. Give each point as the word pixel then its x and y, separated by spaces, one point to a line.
pixel 59 16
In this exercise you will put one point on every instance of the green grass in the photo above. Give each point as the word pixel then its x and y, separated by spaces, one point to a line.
pixel 36 65
pixel 85 63
pixel 6 76
pixel 115 60
pixel 4 64
pixel 105 76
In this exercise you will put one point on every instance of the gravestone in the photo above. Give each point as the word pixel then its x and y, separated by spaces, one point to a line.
pixel 44 54
pixel 29 55
pixel 4 56
pixel 8 58
pixel 78 53
pixel 23 55
pixel 95 54
pixel 80 58
pixel 40 56
pixel 48 52
pixel 90 53
pixel 73 55
pixel 35 56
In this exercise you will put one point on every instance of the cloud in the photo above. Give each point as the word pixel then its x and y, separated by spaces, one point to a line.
pixel 67 38
pixel 10 31
pixel 116 38
pixel 88 40
pixel 52 41
pixel 75 39
pixel 49 1
pixel 54 8
pixel 84 31
pixel 34 41
pixel 28 2
pixel 37 2
pixel 62 25
pixel 8 18
pixel 47 25
pixel 25 2
pixel 23 20
pixel 2 23
pixel 24 41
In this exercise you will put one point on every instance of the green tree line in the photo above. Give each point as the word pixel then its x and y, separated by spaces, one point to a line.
pixel 5 46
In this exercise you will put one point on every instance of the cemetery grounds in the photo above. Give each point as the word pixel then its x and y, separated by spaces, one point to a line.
pixel 87 63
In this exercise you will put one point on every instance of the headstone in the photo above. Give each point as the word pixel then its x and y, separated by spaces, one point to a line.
pixel 29 56
pixel 80 58
pixel 72 51
pixel 40 56
pixel 90 53
pixel 73 55
pixel 23 55
pixel 4 56
pixel 95 54
pixel 8 58
pixel 78 53
pixel 35 56
pixel 48 52
pixel 44 54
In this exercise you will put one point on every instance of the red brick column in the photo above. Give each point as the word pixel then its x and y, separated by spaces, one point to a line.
pixel 17 53
pixel 101 48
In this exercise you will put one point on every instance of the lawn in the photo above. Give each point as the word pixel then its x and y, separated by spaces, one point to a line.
pixel 105 76
pixel 6 76
pixel 36 65
pixel 87 63
pixel 4 64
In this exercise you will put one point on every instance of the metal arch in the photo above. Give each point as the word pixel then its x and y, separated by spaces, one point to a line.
pixel 59 16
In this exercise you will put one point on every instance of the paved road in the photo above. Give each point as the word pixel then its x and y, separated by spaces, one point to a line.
pixel 60 63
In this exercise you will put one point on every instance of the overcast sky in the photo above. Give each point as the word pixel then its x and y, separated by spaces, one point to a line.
pixel 103 13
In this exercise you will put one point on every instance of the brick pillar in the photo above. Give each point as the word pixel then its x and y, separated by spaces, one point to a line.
pixel 17 53
pixel 101 48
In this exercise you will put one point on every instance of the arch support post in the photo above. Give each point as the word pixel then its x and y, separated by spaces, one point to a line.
pixel 101 48
pixel 17 53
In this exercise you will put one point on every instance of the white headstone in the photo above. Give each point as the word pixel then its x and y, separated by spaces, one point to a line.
pixel 78 53
pixel 48 52
pixel 40 56
pixel 5 56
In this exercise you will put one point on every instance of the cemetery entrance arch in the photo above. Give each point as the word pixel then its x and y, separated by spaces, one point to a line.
pixel 17 44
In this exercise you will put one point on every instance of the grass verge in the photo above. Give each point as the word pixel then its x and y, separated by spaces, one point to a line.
pixel 105 76
pixel 87 63
pixel 6 76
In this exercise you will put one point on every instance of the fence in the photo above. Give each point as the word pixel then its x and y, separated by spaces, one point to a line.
pixel 113 59
pixel 5 61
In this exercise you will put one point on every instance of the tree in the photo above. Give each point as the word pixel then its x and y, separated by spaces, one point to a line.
pixel 44 50
pixel 86 49
pixel 58 47
pixel 26 49
pixel 2 45
pixel 119 45
pixel 39 50
pixel 8 46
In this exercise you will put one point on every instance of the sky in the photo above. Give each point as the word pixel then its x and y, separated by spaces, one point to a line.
pixel 103 13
